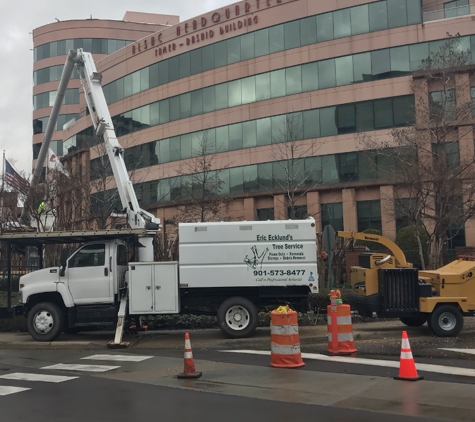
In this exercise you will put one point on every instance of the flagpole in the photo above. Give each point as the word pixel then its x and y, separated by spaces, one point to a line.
pixel 3 175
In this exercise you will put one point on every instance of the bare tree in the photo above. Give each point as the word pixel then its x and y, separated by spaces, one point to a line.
pixel 293 170
pixel 201 189
pixel 434 176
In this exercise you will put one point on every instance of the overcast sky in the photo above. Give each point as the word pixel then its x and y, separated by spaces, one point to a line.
pixel 18 18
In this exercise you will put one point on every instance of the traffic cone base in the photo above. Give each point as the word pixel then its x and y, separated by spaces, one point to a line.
pixel 407 366
pixel 189 369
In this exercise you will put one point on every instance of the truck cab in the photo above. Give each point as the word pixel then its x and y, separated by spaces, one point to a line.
pixel 82 291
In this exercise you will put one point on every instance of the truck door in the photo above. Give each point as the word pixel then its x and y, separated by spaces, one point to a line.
pixel 88 274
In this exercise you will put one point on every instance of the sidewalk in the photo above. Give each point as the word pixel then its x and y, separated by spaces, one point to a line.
pixel 213 339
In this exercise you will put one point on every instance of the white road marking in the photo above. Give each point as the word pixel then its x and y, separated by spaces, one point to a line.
pixel 427 367
pixel 77 367
pixel 36 377
pixel 6 390
pixel 467 351
pixel 119 358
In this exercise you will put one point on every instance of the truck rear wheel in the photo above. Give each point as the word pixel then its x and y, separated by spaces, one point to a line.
pixel 413 321
pixel 446 321
pixel 45 321
pixel 237 317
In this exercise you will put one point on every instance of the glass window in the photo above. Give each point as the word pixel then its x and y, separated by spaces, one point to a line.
pixel 309 77
pixel 418 53
pixel 278 128
pixel 196 102
pixel 400 63
pixel 308 31
pixel 344 70
pixel 208 57
pixel 359 20
pixel 221 53
pixel 414 11
pixel 154 113
pixel 293 80
pixel 153 75
pixel 235 137
pixel 185 105
pixel 195 62
pixel 234 50
pixel 248 90
pixel 362 67
pixel 403 110
pixel 380 64
pixel 174 108
pixel 311 124
pixel 332 215
pixel 164 111
pixel 367 169
pixel 264 214
pixel 173 68
pixel 135 82
pixel 234 93
pixel 442 104
pixel 346 118
pixel 276 38
pixel 326 74
pixel 369 215
pixel 250 179
pixel 364 116
pixel 249 134
pixel 221 96
pixel 325 27
pixel 236 180
pixel 329 169
pixel 277 81
pixel 397 13
pixel 263 132
pixel 378 16
pixel 127 86
pixel 347 167
pixel 328 121
pixel 144 79
pixel 262 42
pixel 247 46
pixel 162 72
pixel 456 8
pixel 184 63
pixel 383 113
pixel 291 35
pixel 209 99
pixel 264 176
pixel 342 23
pixel 185 146
pixel 89 256
pixel 222 138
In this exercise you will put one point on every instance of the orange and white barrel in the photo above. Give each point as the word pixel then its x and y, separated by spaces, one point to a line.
pixel 343 329
pixel 285 340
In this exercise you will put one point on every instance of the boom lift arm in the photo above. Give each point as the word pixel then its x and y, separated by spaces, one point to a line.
pixel 103 126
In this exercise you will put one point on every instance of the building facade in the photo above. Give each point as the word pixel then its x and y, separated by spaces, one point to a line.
pixel 249 78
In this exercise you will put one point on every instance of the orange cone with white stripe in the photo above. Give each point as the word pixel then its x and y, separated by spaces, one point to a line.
pixel 407 366
pixel 189 371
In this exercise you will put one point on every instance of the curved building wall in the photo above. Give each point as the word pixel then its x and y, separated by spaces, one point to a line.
pixel 51 45
pixel 237 74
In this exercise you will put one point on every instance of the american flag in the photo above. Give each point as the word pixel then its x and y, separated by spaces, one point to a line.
pixel 15 180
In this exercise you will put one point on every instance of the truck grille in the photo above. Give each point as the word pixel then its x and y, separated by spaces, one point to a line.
pixel 399 289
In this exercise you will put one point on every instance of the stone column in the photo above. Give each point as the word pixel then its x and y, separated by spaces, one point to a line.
pixel 314 209
pixel 280 207
pixel 249 209
pixel 350 219
pixel 388 212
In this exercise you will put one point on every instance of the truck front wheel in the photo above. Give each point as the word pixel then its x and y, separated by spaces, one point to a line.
pixel 446 321
pixel 45 321
pixel 237 317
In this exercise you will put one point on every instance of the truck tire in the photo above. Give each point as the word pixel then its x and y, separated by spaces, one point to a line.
pixel 237 317
pixel 413 321
pixel 446 321
pixel 45 321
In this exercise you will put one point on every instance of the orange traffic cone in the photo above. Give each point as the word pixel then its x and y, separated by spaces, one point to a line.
pixel 189 371
pixel 407 367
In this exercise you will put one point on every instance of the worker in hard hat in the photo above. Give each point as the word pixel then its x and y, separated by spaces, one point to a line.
pixel 42 208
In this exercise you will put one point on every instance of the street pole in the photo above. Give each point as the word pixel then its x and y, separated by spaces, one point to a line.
pixel 330 270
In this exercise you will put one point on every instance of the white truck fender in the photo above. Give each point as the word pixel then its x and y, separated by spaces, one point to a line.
pixel 38 288
pixel 63 290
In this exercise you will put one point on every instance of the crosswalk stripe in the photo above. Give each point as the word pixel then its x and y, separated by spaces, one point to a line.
pixel 36 377
pixel 466 351
pixel 5 390
pixel 428 367
pixel 77 367
pixel 119 358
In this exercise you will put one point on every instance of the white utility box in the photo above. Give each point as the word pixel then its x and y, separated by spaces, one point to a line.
pixel 153 288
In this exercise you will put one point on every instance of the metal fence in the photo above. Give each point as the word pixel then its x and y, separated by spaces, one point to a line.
pixel 18 268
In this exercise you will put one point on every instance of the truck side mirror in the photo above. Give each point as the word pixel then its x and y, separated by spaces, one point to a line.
pixel 62 260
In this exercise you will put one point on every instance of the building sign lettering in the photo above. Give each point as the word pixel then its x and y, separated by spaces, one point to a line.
pixel 201 23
